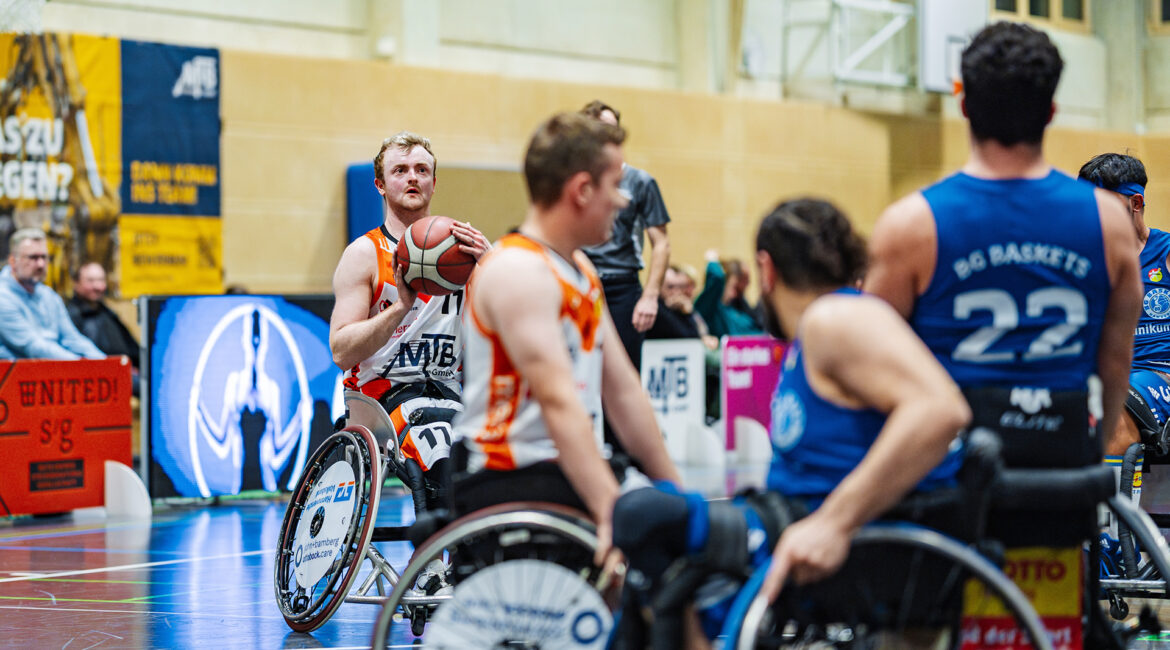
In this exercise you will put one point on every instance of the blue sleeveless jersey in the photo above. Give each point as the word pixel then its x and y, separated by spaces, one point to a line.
pixel 1020 285
pixel 815 443
pixel 1151 339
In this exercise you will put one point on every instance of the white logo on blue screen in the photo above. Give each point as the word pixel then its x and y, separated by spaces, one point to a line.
pixel 787 420
pixel 1157 303
pixel 264 349
pixel 199 78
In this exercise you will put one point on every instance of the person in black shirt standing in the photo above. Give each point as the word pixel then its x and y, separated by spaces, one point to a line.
pixel 634 307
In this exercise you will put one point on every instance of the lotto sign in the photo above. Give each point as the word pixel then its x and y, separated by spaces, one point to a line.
pixel 59 422
pixel 1051 578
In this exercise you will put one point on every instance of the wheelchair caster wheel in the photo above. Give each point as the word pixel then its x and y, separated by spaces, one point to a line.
pixel 418 620
pixel 1118 608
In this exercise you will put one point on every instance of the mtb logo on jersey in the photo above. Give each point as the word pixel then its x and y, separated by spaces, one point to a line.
pixel 1155 274
pixel 435 352
pixel 1157 303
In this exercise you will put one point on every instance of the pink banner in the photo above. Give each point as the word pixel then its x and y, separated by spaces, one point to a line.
pixel 751 368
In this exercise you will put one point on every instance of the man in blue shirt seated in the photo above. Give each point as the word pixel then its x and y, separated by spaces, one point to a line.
pixel 34 323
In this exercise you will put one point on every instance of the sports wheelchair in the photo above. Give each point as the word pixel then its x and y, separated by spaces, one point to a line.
pixel 329 524
pixel 523 575
pixel 1125 573
pixel 754 623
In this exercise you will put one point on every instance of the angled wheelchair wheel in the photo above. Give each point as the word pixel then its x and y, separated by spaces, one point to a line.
pixel 327 528
pixel 521 575
pixel 903 586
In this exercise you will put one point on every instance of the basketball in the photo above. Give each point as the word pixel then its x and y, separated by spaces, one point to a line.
pixel 433 262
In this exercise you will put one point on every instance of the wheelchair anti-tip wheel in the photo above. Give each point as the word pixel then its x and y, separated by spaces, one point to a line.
pixel 327 528
pixel 522 575
pixel 903 586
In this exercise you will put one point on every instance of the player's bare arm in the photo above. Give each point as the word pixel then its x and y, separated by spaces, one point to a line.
pixel 887 368
pixel 646 309
pixel 353 334
pixel 516 297
pixel 1115 352
pixel 902 252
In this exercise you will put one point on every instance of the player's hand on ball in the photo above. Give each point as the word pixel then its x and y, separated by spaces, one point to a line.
pixel 406 295
pixel 472 241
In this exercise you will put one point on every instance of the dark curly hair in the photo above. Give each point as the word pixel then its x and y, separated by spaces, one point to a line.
pixel 1112 170
pixel 1010 72
pixel 812 245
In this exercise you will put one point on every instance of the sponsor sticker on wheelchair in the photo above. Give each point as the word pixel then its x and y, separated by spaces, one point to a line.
pixel 324 523
pixel 1051 578
pixel 532 601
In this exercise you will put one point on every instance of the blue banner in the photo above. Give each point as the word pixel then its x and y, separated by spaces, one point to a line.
pixel 170 130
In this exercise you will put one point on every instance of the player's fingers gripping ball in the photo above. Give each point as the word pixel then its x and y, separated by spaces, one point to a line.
pixel 432 260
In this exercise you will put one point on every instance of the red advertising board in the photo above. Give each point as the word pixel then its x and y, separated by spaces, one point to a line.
pixel 59 422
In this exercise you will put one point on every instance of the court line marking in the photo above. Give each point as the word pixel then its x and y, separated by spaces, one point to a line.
pixel 130 567
pixel 138 612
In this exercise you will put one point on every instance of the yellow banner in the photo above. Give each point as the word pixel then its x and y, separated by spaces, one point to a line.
pixel 170 254
pixel 1051 578
pixel 60 145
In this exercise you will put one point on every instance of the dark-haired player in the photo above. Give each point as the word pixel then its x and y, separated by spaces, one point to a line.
pixel 860 417
pixel 1149 377
pixel 1020 279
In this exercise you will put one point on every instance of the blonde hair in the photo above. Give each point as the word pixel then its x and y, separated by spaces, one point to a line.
pixel 405 141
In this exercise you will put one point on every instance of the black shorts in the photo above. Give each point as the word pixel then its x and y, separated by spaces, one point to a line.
pixel 537 482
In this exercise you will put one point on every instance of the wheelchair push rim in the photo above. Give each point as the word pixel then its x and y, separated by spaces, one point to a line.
pixel 751 613
pixel 543 527
pixel 327 528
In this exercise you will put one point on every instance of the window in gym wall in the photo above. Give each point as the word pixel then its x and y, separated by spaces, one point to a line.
pixel 1072 15
pixel 1160 16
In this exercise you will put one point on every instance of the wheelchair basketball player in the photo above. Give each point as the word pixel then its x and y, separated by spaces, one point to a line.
pixel 401 347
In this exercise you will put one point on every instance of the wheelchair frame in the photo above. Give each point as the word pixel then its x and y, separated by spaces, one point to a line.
pixel 1010 489
pixel 513 521
pixel 368 429
pixel 749 610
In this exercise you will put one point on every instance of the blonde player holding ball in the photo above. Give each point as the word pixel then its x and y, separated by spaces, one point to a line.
pixel 398 346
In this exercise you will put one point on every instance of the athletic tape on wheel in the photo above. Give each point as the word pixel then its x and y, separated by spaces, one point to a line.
pixel 324 521
pixel 522 601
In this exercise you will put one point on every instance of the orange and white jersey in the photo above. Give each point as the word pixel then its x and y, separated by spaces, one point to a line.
pixel 427 343
pixel 501 421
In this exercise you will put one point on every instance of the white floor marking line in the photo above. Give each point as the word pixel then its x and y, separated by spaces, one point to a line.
pixel 128 567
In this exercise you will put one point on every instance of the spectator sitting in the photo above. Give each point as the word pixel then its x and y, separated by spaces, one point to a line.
pixel 33 321
pixel 721 303
pixel 676 315
pixel 94 319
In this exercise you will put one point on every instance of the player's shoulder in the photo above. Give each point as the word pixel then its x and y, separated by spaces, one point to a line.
pixel 359 260
pixel 831 325
pixel 837 315
pixel 512 264
pixel 906 224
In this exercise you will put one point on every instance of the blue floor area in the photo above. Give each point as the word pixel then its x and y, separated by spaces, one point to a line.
pixel 194 577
